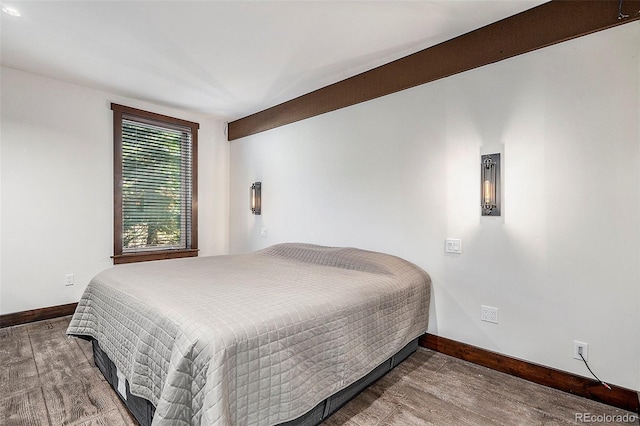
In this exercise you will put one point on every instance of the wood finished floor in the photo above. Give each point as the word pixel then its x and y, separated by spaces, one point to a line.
pixel 49 379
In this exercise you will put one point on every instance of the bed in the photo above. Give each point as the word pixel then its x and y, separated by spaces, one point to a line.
pixel 283 335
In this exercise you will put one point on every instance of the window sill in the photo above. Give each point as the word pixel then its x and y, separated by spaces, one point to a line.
pixel 153 255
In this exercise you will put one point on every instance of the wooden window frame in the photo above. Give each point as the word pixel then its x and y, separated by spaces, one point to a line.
pixel 118 256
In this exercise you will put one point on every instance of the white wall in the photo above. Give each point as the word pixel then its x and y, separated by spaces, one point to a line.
pixel 57 187
pixel 399 174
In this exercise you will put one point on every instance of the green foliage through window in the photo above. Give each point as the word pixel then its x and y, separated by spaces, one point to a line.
pixel 156 186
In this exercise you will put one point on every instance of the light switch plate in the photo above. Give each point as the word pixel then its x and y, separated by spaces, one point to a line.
pixel 453 245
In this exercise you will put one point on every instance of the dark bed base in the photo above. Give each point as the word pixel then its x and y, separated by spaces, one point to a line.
pixel 143 410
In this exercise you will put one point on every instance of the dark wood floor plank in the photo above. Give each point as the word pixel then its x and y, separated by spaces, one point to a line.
pixel 18 376
pixel 412 417
pixel 85 372
pixel 338 419
pixel 552 403
pixel 427 407
pixel 14 345
pixel 47 378
pixel 424 360
pixel 76 401
pixel 111 418
pixel 474 394
pixel 55 326
pixel 367 409
pixel 55 351
pixel 24 409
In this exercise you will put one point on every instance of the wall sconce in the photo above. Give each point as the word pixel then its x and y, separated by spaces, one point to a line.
pixel 256 197
pixel 490 181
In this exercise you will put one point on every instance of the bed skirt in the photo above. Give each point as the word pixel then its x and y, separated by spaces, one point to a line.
pixel 143 410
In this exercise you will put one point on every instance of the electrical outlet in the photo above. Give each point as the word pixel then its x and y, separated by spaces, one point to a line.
pixel 489 314
pixel 580 348
pixel 68 279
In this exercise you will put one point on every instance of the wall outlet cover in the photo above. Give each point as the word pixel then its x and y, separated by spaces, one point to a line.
pixel 580 347
pixel 489 314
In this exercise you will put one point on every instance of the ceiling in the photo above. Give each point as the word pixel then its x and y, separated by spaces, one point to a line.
pixel 228 59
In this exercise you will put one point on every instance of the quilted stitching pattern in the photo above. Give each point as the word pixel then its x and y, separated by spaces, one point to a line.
pixel 255 339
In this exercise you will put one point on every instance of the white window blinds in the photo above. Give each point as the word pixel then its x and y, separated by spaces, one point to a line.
pixel 156 186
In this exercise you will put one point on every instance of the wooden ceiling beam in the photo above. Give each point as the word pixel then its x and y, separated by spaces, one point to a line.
pixel 550 23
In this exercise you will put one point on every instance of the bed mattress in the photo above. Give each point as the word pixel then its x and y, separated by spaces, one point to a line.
pixel 254 339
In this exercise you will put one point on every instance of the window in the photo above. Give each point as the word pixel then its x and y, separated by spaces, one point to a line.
pixel 155 186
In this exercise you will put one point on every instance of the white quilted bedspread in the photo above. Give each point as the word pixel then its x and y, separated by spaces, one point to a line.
pixel 253 339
